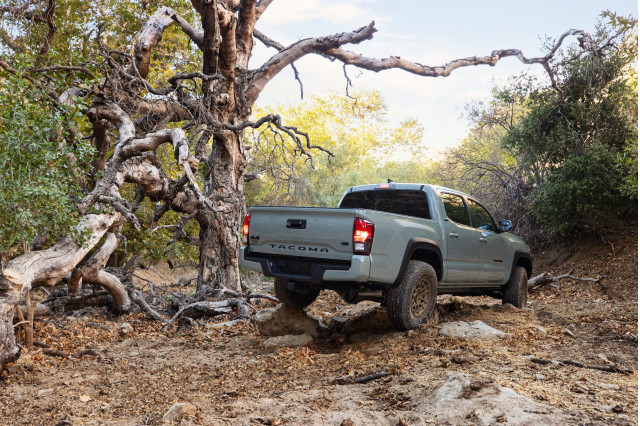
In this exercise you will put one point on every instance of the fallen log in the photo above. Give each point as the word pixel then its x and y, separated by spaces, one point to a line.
pixel 540 281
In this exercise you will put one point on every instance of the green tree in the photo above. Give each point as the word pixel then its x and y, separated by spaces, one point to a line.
pixel 42 167
pixel 579 138
pixel 365 147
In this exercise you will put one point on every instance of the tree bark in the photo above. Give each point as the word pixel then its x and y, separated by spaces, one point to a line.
pixel 46 267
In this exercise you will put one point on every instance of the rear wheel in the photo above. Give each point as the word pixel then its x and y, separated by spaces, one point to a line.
pixel 515 291
pixel 412 302
pixel 294 298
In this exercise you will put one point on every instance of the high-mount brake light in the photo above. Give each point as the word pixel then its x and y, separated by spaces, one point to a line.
pixel 245 230
pixel 384 186
pixel 362 236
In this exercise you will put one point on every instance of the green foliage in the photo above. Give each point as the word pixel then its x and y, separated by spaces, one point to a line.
pixel 579 192
pixel 579 143
pixel 41 166
pixel 366 146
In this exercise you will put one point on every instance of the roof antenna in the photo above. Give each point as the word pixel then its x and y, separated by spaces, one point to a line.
pixel 390 181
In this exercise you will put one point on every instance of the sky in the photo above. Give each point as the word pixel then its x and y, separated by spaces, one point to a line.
pixel 428 32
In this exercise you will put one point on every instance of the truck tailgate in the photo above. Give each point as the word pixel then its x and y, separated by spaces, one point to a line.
pixel 313 232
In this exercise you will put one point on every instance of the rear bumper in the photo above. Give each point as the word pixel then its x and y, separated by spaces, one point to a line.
pixel 316 270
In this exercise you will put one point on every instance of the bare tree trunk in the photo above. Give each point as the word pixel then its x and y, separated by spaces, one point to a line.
pixel 220 231
pixel 9 350
pixel 46 267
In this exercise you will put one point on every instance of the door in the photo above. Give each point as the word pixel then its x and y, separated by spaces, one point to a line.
pixel 462 241
pixel 492 263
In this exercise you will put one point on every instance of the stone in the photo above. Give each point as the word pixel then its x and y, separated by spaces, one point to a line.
pixel 290 340
pixel 609 386
pixel 540 328
pixel 126 328
pixel 568 332
pixel 465 359
pixel 180 410
pixel 372 320
pixel 473 330
pixel 540 377
pixel 85 398
pixel 466 399
pixel 336 323
pixel 284 320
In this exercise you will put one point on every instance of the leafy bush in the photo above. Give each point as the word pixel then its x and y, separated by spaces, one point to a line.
pixel 41 166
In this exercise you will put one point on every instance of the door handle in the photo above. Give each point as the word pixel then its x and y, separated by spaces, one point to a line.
pixel 483 240
pixel 453 235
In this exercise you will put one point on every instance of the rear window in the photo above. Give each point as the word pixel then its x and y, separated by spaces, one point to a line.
pixel 405 202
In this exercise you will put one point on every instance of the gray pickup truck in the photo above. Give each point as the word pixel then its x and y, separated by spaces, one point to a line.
pixel 397 244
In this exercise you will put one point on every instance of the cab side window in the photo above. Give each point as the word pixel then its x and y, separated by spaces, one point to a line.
pixel 481 217
pixel 455 208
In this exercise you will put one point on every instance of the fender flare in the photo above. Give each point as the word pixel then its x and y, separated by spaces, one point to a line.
pixel 526 261
pixel 413 245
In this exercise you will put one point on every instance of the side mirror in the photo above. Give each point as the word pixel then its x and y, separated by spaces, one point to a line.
pixel 504 225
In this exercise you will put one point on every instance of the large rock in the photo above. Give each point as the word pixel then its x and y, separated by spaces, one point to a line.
pixel 465 399
pixel 290 340
pixel 284 320
pixel 471 330
pixel 180 410
pixel 371 320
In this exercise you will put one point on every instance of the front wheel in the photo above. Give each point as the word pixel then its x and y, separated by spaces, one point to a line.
pixel 515 291
pixel 293 298
pixel 412 302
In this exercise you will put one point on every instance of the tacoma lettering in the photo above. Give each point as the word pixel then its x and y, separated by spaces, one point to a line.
pixel 299 248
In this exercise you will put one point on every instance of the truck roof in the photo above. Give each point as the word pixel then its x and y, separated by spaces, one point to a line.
pixel 397 185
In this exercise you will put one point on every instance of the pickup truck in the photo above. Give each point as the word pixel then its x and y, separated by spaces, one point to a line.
pixel 397 244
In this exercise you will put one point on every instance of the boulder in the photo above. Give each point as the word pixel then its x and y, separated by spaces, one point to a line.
pixel 290 340
pixel 470 330
pixel 369 321
pixel 465 399
pixel 284 320
pixel 180 410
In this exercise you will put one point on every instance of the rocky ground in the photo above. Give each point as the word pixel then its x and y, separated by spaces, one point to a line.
pixel 133 373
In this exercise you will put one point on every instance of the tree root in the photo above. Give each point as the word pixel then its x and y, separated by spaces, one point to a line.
pixel 210 309
pixel 138 298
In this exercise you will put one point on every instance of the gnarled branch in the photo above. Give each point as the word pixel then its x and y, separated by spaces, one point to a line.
pixel 299 49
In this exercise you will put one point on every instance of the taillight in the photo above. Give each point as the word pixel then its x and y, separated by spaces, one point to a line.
pixel 362 236
pixel 245 230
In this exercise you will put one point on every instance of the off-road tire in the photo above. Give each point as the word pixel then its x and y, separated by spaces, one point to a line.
pixel 515 291
pixel 412 302
pixel 294 299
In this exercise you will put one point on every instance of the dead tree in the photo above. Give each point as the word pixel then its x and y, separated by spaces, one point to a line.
pixel 209 129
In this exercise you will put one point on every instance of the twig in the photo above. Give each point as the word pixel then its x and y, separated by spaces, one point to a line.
pixel 261 296
pixel 225 324
pixel 55 352
pixel 365 379
pixel 609 368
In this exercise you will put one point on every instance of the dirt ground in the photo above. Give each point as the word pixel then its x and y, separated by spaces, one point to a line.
pixel 232 378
